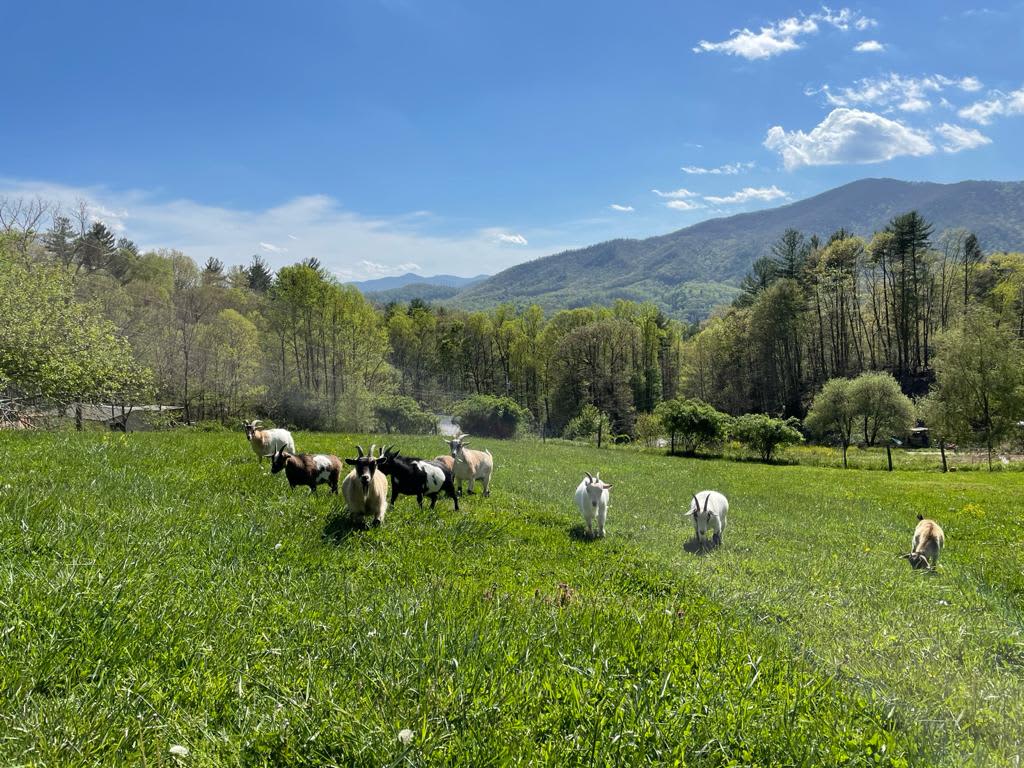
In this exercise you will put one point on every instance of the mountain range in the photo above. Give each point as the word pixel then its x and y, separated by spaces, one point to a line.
pixel 689 271
pixel 410 278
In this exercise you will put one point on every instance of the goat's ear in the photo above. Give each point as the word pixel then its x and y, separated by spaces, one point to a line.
pixel 920 516
pixel 350 462
pixel 606 486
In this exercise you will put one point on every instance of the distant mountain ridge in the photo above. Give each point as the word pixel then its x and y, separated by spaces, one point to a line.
pixel 689 271
pixel 400 281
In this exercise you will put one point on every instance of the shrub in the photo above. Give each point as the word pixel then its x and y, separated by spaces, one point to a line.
pixel 399 413
pixel 763 434
pixel 693 422
pixel 489 416
pixel 590 422
pixel 648 429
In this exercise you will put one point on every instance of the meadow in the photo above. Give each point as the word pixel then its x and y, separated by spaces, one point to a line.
pixel 162 593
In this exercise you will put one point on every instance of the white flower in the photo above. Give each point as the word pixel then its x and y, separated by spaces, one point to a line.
pixel 178 750
pixel 405 736
pixel 278 546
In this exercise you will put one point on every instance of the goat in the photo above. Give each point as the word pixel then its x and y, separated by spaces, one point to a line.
pixel 265 442
pixel 416 477
pixel 926 546
pixel 310 469
pixel 365 489
pixel 592 499
pixel 447 461
pixel 709 513
pixel 470 465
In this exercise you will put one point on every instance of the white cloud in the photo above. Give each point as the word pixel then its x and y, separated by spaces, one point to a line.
pixel 515 239
pixel 848 136
pixel 366 269
pixel 683 205
pixel 908 94
pixel 621 208
pixel 729 169
pixel 344 241
pixel 781 36
pixel 271 248
pixel 1000 105
pixel 747 194
pixel 869 46
pixel 957 138
pixel 677 194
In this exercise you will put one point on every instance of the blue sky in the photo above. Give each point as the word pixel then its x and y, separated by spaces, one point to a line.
pixel 463 137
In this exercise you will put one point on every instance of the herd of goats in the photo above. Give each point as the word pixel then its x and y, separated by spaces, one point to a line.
pixel 365 487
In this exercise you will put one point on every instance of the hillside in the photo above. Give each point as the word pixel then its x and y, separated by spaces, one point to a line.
pixel 405 293
pixel 410 278
pixel 691 270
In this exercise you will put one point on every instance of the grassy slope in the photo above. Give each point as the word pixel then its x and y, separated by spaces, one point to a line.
pixel 144 602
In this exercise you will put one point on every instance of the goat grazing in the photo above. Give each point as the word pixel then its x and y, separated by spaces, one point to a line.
pixel 926 546
pixel 365 489
pixel 266 442
pixel 470 465
pixel 592 499
pixel 708 510
pixel 416 477
pixel 310 469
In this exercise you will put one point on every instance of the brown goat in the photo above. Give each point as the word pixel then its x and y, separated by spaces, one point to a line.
pixel 926 545
pixel 310 469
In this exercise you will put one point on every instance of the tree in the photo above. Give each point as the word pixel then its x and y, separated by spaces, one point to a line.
pixel 96 249
pixel 880 405
pixel 979 380
pixel 694 422
pixel 763 434
pixel 833 412
pixel 260 276
pixel 56 348
pixel 648 429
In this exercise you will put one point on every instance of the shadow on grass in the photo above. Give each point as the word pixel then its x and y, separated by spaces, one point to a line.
pixel 578 532
pixel 694 547
pixel 339 526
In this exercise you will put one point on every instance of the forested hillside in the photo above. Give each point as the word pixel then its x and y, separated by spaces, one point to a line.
pixel 688 272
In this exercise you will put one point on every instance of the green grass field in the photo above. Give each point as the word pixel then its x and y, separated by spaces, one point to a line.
pixel 162 589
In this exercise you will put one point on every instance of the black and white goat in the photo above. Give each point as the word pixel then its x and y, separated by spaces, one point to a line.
pixel 310 469
pixel 416 477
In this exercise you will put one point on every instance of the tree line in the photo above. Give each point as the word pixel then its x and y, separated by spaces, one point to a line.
pixel 298 346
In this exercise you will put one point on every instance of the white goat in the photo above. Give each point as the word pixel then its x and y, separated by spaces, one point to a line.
pixel 267 442
pixel 365 489
pixel 592 499
pixel 926 545
pixel 708 509
pixel 470 465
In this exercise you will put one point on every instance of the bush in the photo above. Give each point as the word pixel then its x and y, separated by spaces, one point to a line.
pixel 648 429
pixel 587 424
pixel 489 416
pixel 399 413
pixel 763 434
pixel 692 422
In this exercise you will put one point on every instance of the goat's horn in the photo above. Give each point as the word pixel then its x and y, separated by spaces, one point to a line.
pixel 360 449
pixel 696 502
pixel 257 422
pixel 372 449
pixel 706 500
pixel 591 479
